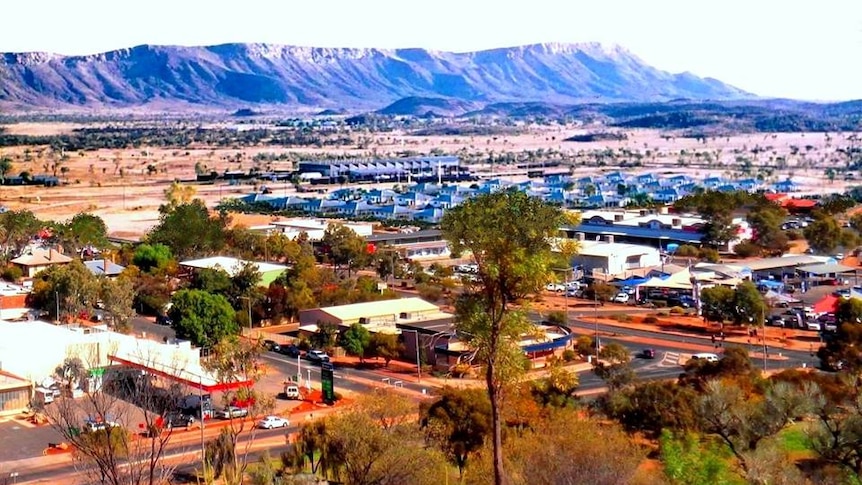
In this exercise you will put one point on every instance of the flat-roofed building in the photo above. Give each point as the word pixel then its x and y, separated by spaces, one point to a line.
pixel 377 316
pixel 615 258
pixel 232 266
pixel 15 394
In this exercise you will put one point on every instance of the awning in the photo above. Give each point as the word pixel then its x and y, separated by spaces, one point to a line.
pixel 827 304
pixel 780 297
pixel 196 378
pixel 825 269
pixel 630 282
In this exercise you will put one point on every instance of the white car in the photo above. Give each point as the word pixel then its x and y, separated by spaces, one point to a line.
pixel 556 287
pixel 622 297
pixel 231 412
pixel 270 422
pixel 705 356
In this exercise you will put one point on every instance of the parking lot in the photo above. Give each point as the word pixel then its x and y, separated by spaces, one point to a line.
pixel 22 440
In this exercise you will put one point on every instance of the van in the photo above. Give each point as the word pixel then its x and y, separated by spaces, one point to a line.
pixel 705 356
pixel 44 396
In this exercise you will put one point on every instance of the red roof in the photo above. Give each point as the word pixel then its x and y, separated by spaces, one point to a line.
pixel 220 386
pixel 827 304
pixel 799 203
pixel 774 197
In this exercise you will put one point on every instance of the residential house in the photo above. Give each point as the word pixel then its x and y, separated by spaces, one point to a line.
pixel 413 199
pixel 712 182
pixel 380 196
pixel 38 259
pixel 429 214
pixel 391 211
pixel 786 186
pixel 104 267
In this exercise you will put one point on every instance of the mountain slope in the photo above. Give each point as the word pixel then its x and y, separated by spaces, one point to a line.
pixel 232 75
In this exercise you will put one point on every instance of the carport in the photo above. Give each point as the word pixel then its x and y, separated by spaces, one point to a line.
pixel 826 270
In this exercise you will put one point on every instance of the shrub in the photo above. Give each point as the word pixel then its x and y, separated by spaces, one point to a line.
pixel 569 355
pixel 650 319
pixel 584 345
pixel 11 273
pixel 621 317
pixel 429 292
pixel 710 255
pixel 686 251
pixel 677 310
pixel 662 314
pixel 557 318
pixel 746 249
pixel 660 304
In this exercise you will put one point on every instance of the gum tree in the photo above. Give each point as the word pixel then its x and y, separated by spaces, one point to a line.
pixel 509 234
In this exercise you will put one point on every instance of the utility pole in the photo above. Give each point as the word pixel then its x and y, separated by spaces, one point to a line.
pixel 418 361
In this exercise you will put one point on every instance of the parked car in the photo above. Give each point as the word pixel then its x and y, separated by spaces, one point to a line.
pixel 776 321
pixel 317 356
pixel 289 350
pixel 178 420
pixel 231 412
pixel 629 290
pixel 621 298
pixel 574 292
pixel 93 425
pixel 815 326
pixel 271 345
pixel 164 320
pixel 270 422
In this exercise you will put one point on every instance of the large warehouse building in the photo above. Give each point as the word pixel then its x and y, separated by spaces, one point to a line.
pixel 358 170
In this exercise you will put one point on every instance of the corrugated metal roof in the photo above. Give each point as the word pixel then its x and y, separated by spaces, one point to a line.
pixel 783 262
pixel 373 309
pixel 826 268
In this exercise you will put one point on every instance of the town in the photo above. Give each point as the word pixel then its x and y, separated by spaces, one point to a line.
pixel 289 309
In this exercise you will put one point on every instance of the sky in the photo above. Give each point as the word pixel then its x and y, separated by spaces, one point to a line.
pixel 800 49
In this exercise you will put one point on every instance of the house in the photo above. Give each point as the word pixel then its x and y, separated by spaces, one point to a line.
pixel 712 182
pixel 104 267
pixel 667 194
pixel 429 214
pixel 748 184
pixel 269 272
pixel 446 201
pixel 413 199
pixel 392 211
pixel 614 259
pixel 380 196
pixel 38 259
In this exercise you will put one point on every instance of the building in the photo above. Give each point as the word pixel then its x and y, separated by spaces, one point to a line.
pixel 36 260
pixel 13 302
pixel 34 349
pixel 419 245
pixel 15 394
pixel 613 259
pixel 269 272
pixel 442 167
pixel 315 228
pixel 377 316
pixel 104 267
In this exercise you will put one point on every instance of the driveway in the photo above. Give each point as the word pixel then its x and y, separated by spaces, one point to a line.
pixel 25 441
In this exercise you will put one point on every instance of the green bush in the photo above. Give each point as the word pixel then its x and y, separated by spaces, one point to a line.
pixel 677 310
pixel 569 355
pixel 687 251
pixel 429 292
pixel 746 249
pixel 709 255
pixel 11 273
pixel 650 319
pixel 621 317
pixel 662 314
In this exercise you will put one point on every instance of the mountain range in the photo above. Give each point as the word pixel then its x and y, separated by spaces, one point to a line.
pixel 251 75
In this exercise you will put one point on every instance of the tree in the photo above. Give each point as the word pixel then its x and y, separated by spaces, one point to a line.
pixel 766 218
pixel 458 423
pixel 16 230
pixel 202 318
pixel 70 288
pixel 558 388
pixel 508 233
pixel 750 307
pixel 71 371
pixel 345 247
pixel 844 349
pixel 176 195
pixel 653 406
pixel 689 461
pixel 189 231
pixel 355 340
pixel 613 366
pixel 824 234
pixel 150 257
pixel 325 336
pixel 85 231
pixel 5 168
pixel 236 363
pixel 211 280
pixel 601 291
pixel 717 303
pixel 386 346
pixel 114 455
pixel 118 296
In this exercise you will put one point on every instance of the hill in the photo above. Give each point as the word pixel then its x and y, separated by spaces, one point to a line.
pixel 247 75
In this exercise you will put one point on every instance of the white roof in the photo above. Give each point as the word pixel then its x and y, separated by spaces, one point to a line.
pixel 605 249
pixel 381 308
pixel 230 265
